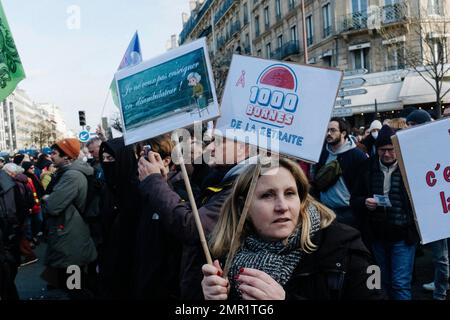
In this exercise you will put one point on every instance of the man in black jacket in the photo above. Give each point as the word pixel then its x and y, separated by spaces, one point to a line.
pixel 341 147
pixel 380 197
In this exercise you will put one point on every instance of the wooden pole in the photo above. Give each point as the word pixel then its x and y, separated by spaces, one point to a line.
pixel 240 226
pixel 198 222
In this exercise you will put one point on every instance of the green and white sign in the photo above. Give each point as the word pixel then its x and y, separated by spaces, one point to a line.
pixel 166 93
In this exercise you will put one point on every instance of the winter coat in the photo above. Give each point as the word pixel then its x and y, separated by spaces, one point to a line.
pixel 177 219
pixel 120 207
pixel 337 270
pixel 69 240
pixel 383 224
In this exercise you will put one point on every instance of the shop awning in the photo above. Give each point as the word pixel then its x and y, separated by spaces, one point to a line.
pixel 386 95
pixel 416 90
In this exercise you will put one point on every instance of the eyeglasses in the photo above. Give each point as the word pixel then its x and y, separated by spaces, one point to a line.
pixel 384 150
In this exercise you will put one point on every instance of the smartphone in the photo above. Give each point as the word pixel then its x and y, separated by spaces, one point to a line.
pixel 147 148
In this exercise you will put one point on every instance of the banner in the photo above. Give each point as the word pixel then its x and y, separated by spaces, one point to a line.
pixel 423 153
pixel 11 69
pixel 166 93
pixel 278 106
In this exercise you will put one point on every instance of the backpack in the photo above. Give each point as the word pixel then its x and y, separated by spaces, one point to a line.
pixel 92 206
pixel 327 176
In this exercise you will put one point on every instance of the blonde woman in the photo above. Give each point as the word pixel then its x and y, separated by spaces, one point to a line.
pixel 291 246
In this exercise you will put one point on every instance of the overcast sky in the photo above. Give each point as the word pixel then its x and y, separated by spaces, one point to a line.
pixel 73 67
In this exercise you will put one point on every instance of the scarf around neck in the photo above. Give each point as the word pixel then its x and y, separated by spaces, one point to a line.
pixel 276 258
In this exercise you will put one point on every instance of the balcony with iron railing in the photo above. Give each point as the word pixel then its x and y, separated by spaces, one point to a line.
pixel 235 28
pixel 394 13
pixel 354 21
pixel 247 49
pixel 327 31
pixel 193 21
pixel 289 48
pixel 223 10
pixel 387 14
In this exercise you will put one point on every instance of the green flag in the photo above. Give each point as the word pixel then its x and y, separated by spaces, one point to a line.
pixel 11 70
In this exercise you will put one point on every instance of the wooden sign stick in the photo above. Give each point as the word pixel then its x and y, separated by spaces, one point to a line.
pixel 240 226
pixel 198 222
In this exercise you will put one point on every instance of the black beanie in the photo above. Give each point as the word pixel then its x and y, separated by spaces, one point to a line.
pixel 418 117
pixel 18 158
pixel 384 136
pixel 26 165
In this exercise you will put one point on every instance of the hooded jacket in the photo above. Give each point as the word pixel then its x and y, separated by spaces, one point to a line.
pixel 350 158
pixel 120 207
pixel 69 240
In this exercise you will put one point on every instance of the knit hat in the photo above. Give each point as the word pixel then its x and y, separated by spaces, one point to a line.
pixel 418 117
pixel 26 165
pixel 18 158
pixel 376 124
pixel 70 146
pixel 384 136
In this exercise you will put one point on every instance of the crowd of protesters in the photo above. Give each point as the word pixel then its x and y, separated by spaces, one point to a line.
pixel 122 214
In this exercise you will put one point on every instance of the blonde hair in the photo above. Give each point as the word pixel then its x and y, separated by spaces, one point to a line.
pixel 224 230
pixel 397 123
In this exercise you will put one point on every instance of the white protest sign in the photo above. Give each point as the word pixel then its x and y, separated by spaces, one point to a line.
pixel 278 106
pixel 171 91
pixel 424 159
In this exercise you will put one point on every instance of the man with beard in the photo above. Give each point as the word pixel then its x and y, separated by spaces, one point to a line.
pixel 340 152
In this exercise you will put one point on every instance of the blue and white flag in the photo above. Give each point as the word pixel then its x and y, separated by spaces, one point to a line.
pixel 132 57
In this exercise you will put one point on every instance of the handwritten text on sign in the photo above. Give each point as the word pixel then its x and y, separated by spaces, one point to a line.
pixel 432 177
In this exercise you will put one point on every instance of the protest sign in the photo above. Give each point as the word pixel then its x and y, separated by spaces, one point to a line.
pixel 278 106
pixel 166 93
pixel 423 153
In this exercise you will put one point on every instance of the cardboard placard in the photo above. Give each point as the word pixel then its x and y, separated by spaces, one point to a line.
pixel 278 106
pixel 168 92
pixel 423 154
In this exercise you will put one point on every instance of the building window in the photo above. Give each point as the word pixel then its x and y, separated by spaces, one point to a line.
pixel 435 7
pixel 395 58
pixel 294 36
pixel 361 59
pixel 280 41
pixel 278 9
pixel 439 51
pixel 268 50
pixel 258 53
pixel 328 61
pixel 257 31
pixel 245 13
pixel 309 30
pixel 247 43
pixel 291 4
pixel 326 13
pixel 359 14
pixel 266 18
pixel 359 6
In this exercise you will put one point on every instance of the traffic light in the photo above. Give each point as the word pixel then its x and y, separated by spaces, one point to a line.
pixel 82 117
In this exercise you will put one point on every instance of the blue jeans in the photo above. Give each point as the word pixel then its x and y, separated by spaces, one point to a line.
pixel 440 262
pixel 396 261
pixel 33 224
